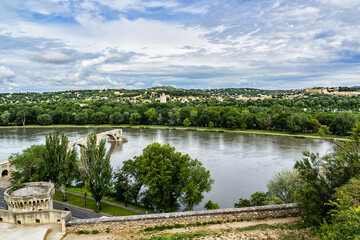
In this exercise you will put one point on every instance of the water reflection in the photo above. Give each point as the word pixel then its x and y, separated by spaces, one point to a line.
pixel 240 164
pixel 115 146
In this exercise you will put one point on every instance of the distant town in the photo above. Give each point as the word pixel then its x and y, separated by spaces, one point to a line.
pixel 168 93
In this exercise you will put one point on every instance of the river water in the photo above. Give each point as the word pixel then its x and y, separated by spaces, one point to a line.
pixel 241 164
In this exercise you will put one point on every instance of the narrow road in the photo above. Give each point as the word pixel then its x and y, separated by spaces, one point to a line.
pixel 78 212
pixel 2 202
pixel 110 203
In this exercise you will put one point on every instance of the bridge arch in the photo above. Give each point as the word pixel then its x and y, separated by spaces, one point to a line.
pixel 113 135
pixel 4 173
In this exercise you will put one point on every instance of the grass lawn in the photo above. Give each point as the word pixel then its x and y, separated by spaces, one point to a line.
pixel 91 204
pixel 83 190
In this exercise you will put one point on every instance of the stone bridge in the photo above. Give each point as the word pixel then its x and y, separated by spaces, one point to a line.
pixel 5 172
pixel 114 135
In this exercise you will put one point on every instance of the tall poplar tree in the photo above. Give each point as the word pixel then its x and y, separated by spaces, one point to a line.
pixel 60 164
pixel 95 168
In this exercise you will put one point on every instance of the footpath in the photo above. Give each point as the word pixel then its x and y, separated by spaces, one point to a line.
pixel 109 202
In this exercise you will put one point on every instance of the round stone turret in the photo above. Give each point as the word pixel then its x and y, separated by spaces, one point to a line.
pixel 34 196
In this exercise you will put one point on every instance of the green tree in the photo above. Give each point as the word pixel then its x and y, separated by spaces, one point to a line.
pixel 60 163
pixel 151 116
pixel 116 118
pixel 256 199
pixel 323 131
pixel 198 181
pixel 321 176
pixel 186 122
pixel 81 118
pixel 343 123
pixel 134 170
pixel 44 119
pixel 21 115
pixel 95 168
pixel 168 177
pixel 99 117
pixel 5 117
pixel 122 187
pixel 211 205
pixel 243 203
pixel 284 184
pixel 29 165
pixel 135 118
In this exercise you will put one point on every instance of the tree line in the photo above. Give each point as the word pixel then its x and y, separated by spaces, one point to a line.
pixel 160 178
pixel 262 115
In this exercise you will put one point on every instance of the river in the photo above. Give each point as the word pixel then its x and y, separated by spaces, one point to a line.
pixel 241 164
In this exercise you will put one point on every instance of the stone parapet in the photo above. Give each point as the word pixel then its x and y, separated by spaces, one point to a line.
pixel 33 196
pixel 140 222
pixel 36 217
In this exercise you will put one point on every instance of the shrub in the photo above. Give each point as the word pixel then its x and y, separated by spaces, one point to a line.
pixel 321 176
pixel 257 199
pixel 345 218
pixel 242 203
pixel 284 184
pixel 82 232
pixel 211 205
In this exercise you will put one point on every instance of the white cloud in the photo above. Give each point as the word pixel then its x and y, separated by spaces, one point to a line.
pixel 6 73
pixel 226 44
pixel 54 57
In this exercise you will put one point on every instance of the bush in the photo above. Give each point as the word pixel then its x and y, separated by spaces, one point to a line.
pixel 257 199
pixel 284 184
pixel 211 205
pixel 321 176
pixel 82 232
pixel 242 203
pixel 345 218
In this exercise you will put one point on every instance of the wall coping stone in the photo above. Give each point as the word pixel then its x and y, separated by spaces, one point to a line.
pixel 181 214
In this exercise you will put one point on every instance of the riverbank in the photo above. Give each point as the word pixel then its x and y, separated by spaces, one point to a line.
pixel 219 130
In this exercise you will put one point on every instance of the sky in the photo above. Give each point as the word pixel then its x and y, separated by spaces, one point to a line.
pixel 53 45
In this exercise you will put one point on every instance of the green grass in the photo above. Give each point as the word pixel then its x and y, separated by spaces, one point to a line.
pixel 179 236
pixel 83 190
pixel 91 204
pixel 260 227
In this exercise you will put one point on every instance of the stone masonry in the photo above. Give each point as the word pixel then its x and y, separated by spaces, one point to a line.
pixel 128 224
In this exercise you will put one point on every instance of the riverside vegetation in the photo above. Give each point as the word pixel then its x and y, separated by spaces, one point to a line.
pixel 307 113
pixel 325 188
pixel 160 178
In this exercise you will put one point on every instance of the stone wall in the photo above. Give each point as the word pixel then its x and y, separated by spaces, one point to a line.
pixel 140 222
pixel 36 217
pixel 34 196
pixel 5 174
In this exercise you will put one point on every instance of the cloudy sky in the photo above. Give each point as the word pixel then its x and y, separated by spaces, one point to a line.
pixel 50 45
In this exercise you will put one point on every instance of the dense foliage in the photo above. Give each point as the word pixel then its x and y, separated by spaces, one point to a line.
pixel 197 108
pixel 320 176
pixel 162 179
pixel 344 222
pixel 283 185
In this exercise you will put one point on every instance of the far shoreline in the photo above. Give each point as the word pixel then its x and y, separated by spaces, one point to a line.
pixel 204 129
